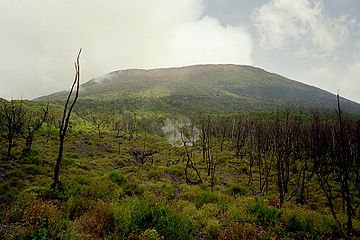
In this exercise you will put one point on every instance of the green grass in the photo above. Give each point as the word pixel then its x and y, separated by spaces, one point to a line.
pixel 110 196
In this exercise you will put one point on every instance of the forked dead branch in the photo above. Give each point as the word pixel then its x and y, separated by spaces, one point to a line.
pixel 69 105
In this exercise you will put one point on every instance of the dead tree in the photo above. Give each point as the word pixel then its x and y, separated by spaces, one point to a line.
pixel 301 146
pixel 224 130
pixel 345 164
pixel 129 124
pixel 50 122
pixel 141 156
pixel 13 118
pixel 65 122
pixel 117 124
pixel 279 160
pixel 356 165
pixel 32 124
pixel 190 164
pixel 242 133
pixel 288 128
pixel 214 162
pixel 262 145
pixel 324 166
pixel 204 125
pixel 98 123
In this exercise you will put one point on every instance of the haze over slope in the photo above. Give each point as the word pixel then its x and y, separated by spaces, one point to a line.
pixel 202 88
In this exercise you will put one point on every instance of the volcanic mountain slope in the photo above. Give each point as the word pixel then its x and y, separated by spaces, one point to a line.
pixel 202 88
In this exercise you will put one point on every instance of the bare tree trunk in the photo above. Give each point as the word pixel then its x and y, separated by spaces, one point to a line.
pixel 13 120
pixel 65 123
pixel 28 142
pixel 345 166
pixel 32 127
pixel 56 182
pixel 10 144
pixel 203 141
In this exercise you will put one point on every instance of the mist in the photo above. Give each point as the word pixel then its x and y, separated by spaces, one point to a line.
pixel 40 40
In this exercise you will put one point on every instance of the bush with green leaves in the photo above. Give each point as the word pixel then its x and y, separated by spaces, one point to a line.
pixel 135 214
pixel 237 189
pixel 39 234
pixel 117 177
pixel 213 228
pixel 205 197
pixel 296 224
pixel 266 215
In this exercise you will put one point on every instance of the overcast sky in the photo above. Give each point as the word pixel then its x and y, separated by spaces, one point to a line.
pixel 312 41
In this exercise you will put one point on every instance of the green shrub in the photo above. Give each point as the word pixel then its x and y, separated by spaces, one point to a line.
pixel 213 228
pixel 151 234
pixel 240 213
pixel 84 166
pixel 169 191
pixel 16 212
pixel 331 227
pixel 82 179
pixel 31 155
pixel 77 205
pixel 39 234
pixel 205 197
pixel 75 156
pixel 171 225
pixel 9 187
pixel 49 193
pixel 32 169
pixel 131 215
pixel 132 189
pixel 300 223
pixel 135 214
pixel 266 216
pixel 280 231
pixel 237 190
pixel 176 170
pixel 154 174
pixel 67 161
pixel 296 224
pixel 118 178
pixel 89 184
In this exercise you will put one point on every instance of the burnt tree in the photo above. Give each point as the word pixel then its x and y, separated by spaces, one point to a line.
pixel 69 105
pixel 33 122
pixel 343 157
pixel 13 119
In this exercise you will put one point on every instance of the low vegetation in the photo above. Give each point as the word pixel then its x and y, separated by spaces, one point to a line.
pixel 274 176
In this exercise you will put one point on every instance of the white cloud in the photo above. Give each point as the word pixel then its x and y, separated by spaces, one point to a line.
pixel 344 79
pixel 40 39
pixel 204 41
pixel 303 21
pixel 350 83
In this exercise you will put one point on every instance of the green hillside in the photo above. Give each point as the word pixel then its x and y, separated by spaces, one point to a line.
pixel 202 88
